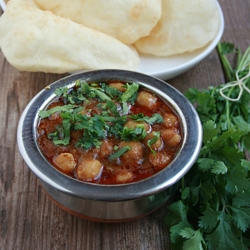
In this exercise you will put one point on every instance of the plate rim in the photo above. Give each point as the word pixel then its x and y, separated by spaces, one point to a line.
pixel 179 69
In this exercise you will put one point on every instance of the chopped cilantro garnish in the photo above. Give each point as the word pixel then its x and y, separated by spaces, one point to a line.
pixel 101 95
pixel 125 108
pixel 153 140
pixel 130 94
pixel 109 122
pixel 62 134
pixel 47 113
pixel 62 91
pixel 117 126
pixel 133 134
pixel 155 118
pixel 111 91
pixel 119 153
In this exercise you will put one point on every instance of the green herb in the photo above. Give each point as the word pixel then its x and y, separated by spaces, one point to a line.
pixel 61 91
pixel 117 126
pixel 110 121
pixel 125 108
pixel 82 92
pixel 133 134
pixel 62 134
pixel 213 211
pixel 111 91
pixel 153 140
pixel 130 94
pixel 155 118
pixel 94 130
pixel 119 153
pixel 47 113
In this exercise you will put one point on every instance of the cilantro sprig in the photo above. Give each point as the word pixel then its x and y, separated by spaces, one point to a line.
pixel 213 210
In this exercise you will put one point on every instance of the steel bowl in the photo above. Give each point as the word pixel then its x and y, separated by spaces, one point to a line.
pixel 111 203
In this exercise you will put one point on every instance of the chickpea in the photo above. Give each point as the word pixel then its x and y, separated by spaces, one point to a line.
pixel 132 124
pixel 134 156
pixel 147 100
pixel 159 159
pixel 65 162
pixel 89 169
pixel 158 145
pixel 170 120
pixel 171 137
pixel 123 176
pixel 106 149
pixel 118 85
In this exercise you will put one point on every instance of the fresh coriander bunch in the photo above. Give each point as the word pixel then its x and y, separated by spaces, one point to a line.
pixel 213 210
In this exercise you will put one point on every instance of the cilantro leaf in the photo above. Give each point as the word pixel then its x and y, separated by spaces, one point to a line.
pixel 119 153
pixel 241 124
pixel 131 92
pixel 62 134
pixel 194 238
pixel 177 213
pixel 150 142
pixel 125 108
pixel 192 94
pixel 216 167
pixel 209 219
pixel 61 91
pixel 177 219
pixel 209 131
pixel 233 184
pixel 206 106
pixel 221 237
pixel 207 191
pixel 100 94
pixel 241 217
pixel 133 134
pixel 155 118
pixel 47 113
pixel 111 91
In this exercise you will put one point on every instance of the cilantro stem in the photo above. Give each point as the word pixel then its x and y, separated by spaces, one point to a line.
pixel 182 183
pixel 226 65
pixel 245 59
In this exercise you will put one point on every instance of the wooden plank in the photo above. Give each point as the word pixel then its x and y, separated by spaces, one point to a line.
pixel 28 219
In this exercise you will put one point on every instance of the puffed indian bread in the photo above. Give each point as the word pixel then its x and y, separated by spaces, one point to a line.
pixel 184 26
pixel 35 40
pixel 126 20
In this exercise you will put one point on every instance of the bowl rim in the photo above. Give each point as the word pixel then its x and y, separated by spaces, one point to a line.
pixel 164 179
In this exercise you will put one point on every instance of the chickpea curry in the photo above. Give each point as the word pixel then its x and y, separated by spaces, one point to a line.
pixel 108 132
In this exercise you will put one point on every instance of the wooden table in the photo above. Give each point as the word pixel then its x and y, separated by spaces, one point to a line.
pixel 28 219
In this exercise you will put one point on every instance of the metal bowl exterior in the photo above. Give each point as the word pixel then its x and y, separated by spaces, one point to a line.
pixel 111 202
pixel 108 211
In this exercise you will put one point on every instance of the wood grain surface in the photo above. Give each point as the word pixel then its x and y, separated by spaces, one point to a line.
pixel 28 219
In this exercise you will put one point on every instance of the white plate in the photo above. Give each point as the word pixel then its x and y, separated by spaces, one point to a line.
pixel 169 67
